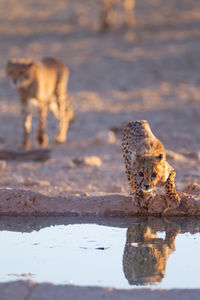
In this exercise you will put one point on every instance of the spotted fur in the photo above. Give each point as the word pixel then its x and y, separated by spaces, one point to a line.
pixel 44 83
pixel 146 165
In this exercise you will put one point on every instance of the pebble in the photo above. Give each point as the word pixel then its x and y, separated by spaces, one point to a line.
pixel 94 161
pixel 105 136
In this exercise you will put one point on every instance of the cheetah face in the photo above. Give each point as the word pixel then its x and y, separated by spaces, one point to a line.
pixel 20 73
pixel 148 172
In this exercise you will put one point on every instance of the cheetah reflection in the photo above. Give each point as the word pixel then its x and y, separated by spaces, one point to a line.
pixel 145 254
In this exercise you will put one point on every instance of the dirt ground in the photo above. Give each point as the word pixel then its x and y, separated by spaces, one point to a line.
pixel 150 72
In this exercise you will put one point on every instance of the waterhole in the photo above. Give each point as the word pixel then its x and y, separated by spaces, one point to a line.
pixel 120 253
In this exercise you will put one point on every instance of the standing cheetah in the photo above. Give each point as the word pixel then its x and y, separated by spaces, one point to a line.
pixel 146 165
pixel 107 12
pixel 44 83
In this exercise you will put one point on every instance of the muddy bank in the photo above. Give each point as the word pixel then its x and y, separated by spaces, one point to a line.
pixel 21 202
pixel 31 290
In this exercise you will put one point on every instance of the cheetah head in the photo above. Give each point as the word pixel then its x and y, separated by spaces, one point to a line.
pixel 149 171
pixel 21 72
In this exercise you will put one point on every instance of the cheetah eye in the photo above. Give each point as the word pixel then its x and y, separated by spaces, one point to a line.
pixel 141 174
pixel 159 157
pixel 153 175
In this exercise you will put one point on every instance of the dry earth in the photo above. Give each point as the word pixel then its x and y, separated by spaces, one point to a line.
pixel 151 72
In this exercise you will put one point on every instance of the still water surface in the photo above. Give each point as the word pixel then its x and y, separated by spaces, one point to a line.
pixel 144 253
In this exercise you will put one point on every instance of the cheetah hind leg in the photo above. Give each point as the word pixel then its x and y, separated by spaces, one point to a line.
pixel 54 109
pixel 66 115
pixel 70 110
pixel 172 197
pixel 61 137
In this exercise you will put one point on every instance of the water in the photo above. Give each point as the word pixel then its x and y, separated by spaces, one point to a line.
pixel 121 253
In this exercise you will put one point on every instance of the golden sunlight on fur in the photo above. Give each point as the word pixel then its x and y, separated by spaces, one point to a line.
pixel 146 165
pixel 43 83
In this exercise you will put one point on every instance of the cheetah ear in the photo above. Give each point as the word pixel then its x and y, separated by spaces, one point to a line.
pixel 159 157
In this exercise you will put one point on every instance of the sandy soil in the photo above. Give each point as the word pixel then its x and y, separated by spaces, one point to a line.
pixel 151 72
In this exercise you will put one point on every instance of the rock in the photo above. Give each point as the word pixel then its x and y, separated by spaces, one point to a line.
pixel 68 164
pixel 157 205
pixel 30 182
pixel 192 154
pixel 176 156
pixel 25 155
pixel 93 161
pixel 193 189
pixel 21 202
pixel 44 183
pixel 88 161
pixel 105 137
pixel 78 161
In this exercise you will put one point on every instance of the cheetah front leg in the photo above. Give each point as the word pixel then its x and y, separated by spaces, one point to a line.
pixel 172 197
pixel 130 180
pixel 27 119
pixel 42 136
pixel 139 198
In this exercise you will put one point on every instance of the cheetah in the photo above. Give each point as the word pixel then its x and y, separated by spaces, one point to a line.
pixel 145 254
pixel 146 165
pixel 43 83
pixel 107 12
